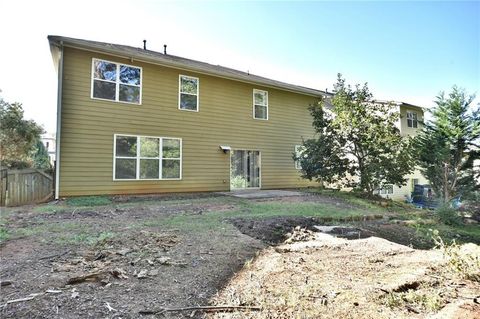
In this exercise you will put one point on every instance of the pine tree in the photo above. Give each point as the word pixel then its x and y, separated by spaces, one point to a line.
pixel 449 144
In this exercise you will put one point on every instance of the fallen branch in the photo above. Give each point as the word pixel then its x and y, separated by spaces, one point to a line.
pixel 53 256
pixel 96 276
pixel 203 308
pixel 20 300
pixel 110 308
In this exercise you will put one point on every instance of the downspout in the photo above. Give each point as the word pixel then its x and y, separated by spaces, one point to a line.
pixel 59 122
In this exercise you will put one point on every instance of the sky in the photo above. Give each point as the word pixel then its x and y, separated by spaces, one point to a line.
pixel 406 51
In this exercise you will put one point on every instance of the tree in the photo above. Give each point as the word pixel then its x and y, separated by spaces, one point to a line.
pixel 40 156
pixel 449 144
pixel 357 141
pixel 17 136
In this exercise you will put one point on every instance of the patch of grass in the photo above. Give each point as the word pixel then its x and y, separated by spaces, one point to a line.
pixel 175 201
pixel 4 235
pixel 426 300
pixel 377 204
pixel 450 233
pixel 89 201
pixel 216 220
pixel 50 209
pixel 86 237
pixel 306 209
pixel 462 261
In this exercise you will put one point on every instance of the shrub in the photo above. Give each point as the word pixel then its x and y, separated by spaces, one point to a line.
pixel 448 216
pixel 461 260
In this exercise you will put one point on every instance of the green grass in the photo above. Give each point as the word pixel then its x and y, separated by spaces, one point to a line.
pixel 216 220
pixel 89 201
pixel 87 238
pixel 350 205
pixel 4 235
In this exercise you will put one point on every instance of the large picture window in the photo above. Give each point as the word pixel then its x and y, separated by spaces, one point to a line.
pixel 147 157
pixel 116 82
pixel 260 105
pixel 188 93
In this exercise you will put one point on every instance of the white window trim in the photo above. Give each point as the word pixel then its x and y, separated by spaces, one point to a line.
pixel 266 105
pixel 117 82
pixel 412 119
pixel 180 76
pixel 138 157
pixel 297 163
pixel 384 191
pixel 259 166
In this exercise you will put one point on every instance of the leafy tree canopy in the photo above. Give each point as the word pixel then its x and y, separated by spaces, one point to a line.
pixel 40 156
pixel 450 143
pixel 18 136
pixel 358 143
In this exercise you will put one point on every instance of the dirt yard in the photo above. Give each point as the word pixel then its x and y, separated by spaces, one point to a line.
pixel 133 256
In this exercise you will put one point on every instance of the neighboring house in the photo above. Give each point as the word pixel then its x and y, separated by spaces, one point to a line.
pixel 134 121
pixel 411 117
pixel 48 141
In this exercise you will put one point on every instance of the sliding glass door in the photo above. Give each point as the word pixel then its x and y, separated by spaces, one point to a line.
pixel 244 169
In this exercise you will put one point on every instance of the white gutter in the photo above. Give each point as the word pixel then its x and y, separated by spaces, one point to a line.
pixel 59 121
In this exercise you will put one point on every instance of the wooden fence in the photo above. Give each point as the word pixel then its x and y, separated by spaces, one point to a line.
pixel 25 186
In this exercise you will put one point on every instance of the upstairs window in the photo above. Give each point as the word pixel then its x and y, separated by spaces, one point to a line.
pixel 260 105
pixel 116 82
pixel 188 93
pixel 412 119
pixel 147 157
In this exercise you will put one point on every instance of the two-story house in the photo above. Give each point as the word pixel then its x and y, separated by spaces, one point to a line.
pixel 134 121
pixel 411 117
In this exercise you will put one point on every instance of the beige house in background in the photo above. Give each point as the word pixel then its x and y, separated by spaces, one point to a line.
pixel 134 121
pixel 411 117
pixel 48 141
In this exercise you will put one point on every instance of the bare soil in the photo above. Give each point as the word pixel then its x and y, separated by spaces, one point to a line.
pixel 144 268
pixel 315 275
pixel 132 264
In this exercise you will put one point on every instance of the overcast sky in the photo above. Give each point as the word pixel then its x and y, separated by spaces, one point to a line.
pixel 406 51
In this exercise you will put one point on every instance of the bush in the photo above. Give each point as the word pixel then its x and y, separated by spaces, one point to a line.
pixel 448 216
pixel 463 260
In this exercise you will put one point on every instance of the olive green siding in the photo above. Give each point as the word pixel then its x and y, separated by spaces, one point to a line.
pixel 224 118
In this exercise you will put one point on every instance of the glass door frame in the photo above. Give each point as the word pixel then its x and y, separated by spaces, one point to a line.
pixel 259 169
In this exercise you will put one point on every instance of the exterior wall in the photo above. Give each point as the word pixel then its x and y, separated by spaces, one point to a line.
pixel 404 192
pixel 404 129
pixel 49 143
pixel 225 118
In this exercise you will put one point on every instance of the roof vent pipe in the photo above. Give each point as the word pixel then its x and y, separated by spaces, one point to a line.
pixel 164 49
pixel 144 44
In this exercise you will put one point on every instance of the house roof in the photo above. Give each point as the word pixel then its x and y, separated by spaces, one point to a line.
pixel 399 103
pixel 169 60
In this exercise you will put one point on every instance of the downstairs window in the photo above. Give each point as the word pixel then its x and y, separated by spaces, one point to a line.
pixel 147 158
